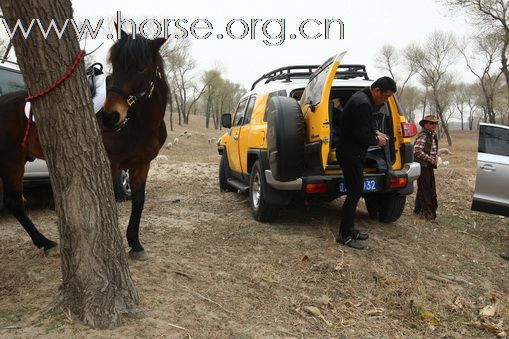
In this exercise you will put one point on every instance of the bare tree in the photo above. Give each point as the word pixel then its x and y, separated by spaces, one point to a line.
pixel 472 103
pixel 432 62
pixel 460 102
pixel 411 100
pixel 96 282
pixel 480 61
pixel 220 96
pixel 213 83
pixel 390 60
pixel 185 90
pixel 493 17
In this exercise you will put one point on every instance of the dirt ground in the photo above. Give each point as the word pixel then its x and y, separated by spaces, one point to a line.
pixel 214 272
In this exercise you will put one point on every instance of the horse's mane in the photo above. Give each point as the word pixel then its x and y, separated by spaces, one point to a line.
pixel 134 54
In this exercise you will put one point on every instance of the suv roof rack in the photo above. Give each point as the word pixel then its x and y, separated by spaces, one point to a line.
pixel 305 72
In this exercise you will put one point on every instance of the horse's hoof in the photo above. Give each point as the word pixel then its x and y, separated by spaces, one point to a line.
pixel 51 249
pixel 138 255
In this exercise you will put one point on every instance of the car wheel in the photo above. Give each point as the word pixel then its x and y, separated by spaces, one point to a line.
pixel 121 186
pixel 372 205
pixel 224 174
pixel 286 137
pixel 262 211
pixel 391 208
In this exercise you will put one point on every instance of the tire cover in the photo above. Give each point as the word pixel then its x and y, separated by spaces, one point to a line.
pixel 286 138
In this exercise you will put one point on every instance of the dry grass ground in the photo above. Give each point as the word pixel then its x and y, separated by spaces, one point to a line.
pixel 214 272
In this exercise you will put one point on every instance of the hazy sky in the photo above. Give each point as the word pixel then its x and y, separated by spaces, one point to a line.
pixel 367 26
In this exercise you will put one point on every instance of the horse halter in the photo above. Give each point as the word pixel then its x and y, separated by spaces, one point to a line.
pixel 132 99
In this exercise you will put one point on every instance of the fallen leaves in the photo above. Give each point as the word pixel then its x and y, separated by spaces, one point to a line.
pixel 488 311
pixel 315 311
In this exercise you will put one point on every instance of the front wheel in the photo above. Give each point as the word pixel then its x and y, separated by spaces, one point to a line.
pixel 261 210
pixel 224 174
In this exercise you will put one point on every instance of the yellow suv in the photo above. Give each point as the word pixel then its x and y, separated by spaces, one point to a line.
pixel 281 142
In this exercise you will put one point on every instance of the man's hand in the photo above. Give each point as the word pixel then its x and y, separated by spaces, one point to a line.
pixel 381 138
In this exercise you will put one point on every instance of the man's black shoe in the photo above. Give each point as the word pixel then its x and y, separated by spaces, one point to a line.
pixel 357 235
pixel 505 255
pixel 350 242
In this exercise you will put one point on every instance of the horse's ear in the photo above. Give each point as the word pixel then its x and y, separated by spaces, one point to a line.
pixel 123 34
pixel 157 43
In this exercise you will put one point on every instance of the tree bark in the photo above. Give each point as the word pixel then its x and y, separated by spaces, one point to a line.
pixel 96 281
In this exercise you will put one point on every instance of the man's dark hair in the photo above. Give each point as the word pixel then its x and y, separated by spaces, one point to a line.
pixel 385 84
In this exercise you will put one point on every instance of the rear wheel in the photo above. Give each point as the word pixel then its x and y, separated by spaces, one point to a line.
pixel 372 205
pixel 391 208
pixel 224 174
pixel 387 208
pixel 261 210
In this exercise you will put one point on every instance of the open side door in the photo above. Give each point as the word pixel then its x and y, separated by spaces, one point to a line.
pixel 491 193
pixel 314 104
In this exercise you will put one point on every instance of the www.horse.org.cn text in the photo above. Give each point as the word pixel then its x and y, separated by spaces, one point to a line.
pixel 272 32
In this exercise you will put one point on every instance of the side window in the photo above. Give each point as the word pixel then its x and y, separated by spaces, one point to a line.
pixel 239 113
pixel 10 81
pixel 249 110
pixel 494 140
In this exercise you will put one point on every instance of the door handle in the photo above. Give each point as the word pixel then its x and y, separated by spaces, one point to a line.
pixel 236 137
pixel 488 168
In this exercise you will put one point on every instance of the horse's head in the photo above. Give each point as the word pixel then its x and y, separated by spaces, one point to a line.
pixel 136 65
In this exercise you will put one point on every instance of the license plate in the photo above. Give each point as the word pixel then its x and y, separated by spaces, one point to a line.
pixel 369 186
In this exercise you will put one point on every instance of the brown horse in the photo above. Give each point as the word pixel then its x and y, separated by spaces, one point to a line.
pixel 132 129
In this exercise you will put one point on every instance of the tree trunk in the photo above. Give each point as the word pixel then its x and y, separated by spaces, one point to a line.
pixel 443 123
pixel 170 103
pixel 504 61
pixel 207 113
pixel 96 282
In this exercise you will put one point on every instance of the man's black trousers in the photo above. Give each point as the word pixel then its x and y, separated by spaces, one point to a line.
pixel 353 167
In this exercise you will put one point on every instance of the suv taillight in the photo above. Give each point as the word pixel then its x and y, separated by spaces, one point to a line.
pixel 409 129
pixel 398 182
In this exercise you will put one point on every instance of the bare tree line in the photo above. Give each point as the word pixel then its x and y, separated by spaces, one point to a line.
pixel 209 94
pixel 436 89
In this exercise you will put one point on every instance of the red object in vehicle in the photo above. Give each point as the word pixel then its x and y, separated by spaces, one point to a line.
pixel 398 182
pixel 316 188
pixel 409 129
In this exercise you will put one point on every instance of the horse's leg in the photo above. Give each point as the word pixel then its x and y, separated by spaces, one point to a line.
pixel 138 179
pixel 13 199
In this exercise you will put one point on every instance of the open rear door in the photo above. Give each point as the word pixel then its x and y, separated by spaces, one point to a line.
pixel 314 104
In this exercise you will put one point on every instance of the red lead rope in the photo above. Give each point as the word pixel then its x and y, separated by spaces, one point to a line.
pixel 57 83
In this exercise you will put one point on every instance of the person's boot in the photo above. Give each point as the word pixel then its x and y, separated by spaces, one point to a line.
pixel 350 242
pixel 505 255
pixel 358 235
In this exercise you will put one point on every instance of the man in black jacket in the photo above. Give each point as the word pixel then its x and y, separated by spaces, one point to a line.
pixel 357 133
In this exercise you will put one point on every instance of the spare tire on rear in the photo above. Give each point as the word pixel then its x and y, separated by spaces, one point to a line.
pixel 286 138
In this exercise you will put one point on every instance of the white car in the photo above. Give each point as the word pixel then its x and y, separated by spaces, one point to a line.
pixel 492 183
pixel 37 172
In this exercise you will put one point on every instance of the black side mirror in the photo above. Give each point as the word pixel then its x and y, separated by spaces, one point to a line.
pixel 226 120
